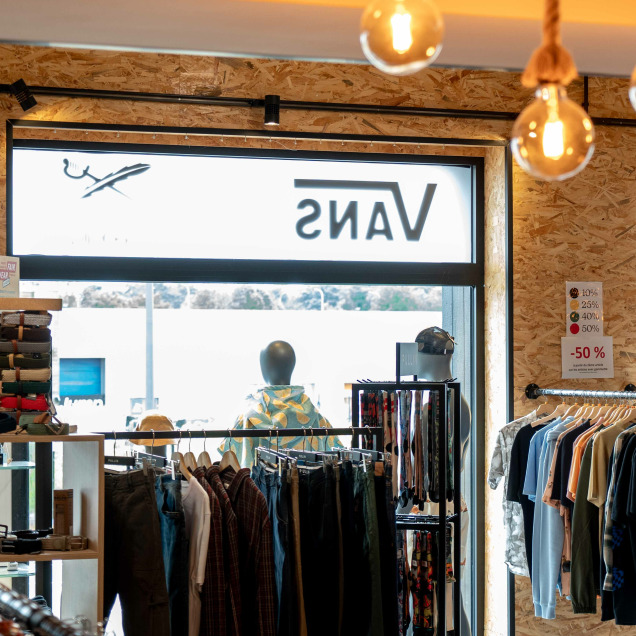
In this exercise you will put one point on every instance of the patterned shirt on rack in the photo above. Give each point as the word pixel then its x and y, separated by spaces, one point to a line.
pixel 515 553
pixel 279 407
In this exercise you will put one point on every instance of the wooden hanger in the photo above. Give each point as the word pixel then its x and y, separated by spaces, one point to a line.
pixel 189 458
pixel 229 457
pixel 204 458
pixel 558 412
pixel 178 457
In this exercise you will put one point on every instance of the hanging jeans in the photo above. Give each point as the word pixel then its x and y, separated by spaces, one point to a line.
pixel 133 560
pixel 276 490
pixel 175 548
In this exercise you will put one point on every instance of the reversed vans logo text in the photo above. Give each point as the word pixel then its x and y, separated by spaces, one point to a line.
pixel 379 223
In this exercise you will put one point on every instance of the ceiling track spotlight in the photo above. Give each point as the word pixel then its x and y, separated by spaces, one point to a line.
pixel 401 37
pixel 553 137
pixel 23 95
pixel 272 110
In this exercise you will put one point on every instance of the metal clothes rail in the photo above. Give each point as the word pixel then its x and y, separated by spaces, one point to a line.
pixel 271 434
pixel 533 391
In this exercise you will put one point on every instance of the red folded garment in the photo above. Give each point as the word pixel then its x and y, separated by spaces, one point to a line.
pixel 20 403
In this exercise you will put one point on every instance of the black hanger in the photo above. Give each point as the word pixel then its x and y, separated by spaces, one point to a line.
pixel 119 460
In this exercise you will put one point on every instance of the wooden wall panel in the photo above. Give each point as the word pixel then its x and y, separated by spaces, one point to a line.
pixel 495 596
pixel 581 228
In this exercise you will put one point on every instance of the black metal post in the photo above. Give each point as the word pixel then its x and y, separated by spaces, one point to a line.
pixel 20 504
pixel 44 513
pixel 355 414
pixel 442 448
pixel 457 504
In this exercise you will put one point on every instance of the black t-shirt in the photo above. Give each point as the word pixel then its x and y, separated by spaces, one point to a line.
pixel 519 462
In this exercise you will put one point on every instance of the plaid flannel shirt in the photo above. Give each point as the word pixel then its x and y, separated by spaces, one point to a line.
pixel 213 619
pixel 231 561
pixel 256 554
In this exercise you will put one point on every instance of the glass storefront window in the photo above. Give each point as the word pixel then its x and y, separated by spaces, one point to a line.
pixel 206 341
pixel 396 243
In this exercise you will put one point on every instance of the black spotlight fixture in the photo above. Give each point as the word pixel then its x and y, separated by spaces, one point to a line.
pixel 272 110
pixel 23 95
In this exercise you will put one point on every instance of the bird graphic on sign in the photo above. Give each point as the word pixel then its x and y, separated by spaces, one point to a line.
pixel 108 181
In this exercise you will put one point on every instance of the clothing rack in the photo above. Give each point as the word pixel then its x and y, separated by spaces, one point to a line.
pixel 271 434
pixel 533 392
pixel 421 522
pixel 29 614
pixel 442 520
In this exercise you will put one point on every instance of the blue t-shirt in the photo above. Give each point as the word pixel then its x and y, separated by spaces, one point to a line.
pixel 534 457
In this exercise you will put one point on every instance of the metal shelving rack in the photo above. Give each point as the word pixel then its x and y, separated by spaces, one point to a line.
pixel 450 398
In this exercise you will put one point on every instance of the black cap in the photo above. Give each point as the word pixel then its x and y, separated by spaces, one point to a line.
pixel 436 341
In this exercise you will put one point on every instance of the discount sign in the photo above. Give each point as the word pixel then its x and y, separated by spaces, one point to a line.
pixel 590 357
pixel 584 309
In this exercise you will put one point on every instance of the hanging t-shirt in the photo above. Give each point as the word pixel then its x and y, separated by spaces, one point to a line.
pixel 564 463
pixel 603 445
pixel 580 444
pixel 515 554
pixel 534 458
pixel 620 447
pixel 624 533
pixel 548 533
pixel 196 506
pixel 585 570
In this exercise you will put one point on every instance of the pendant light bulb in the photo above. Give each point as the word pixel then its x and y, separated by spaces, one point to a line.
pixel 632 89
pixel 553 137
pixel 401 37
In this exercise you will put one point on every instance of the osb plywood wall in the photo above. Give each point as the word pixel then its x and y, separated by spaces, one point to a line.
pixel 579 229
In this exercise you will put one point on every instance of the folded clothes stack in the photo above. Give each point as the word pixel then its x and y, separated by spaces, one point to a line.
pixel 25 374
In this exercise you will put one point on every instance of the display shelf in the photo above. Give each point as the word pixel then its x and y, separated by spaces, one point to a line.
pixel 51 555
pixel 30 304
pixel 83 472
pixel 23 570
pixel 12 438
pixel 17 465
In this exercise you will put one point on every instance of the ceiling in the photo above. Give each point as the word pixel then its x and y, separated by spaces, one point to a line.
pixel 496 34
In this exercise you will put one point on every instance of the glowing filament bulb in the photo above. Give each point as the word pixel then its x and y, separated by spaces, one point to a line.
pixel 553 139
pixel 401 27
pixel 553 144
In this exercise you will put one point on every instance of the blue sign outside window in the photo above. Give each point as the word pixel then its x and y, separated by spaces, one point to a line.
pixel 82 378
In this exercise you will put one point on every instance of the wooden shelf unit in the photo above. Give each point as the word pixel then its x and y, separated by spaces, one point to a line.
pixel 82 570
pixel 9 438
pixel 30 304
pixel 51 555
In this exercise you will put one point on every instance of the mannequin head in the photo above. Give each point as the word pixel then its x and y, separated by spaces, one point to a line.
pixel 434 354
pixel 277 363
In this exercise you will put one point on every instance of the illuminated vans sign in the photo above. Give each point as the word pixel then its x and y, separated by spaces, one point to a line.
pixel 293 206
pixel 379 224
